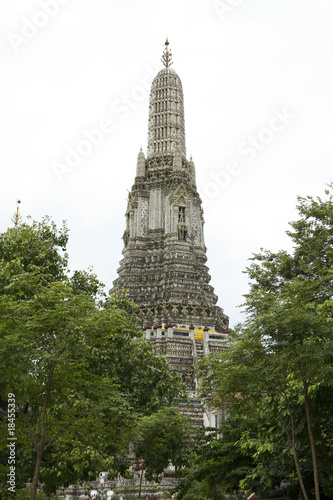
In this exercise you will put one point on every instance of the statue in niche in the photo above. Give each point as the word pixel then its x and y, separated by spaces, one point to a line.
pixel 126 236
pixel 181 210
pixel 182 231
pixel 182 227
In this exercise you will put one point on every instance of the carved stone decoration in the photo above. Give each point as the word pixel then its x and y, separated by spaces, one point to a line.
pixel 180 195
pixel 126 237
pixel 182 231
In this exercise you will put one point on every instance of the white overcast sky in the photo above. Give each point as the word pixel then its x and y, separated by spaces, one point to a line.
pixel 68 66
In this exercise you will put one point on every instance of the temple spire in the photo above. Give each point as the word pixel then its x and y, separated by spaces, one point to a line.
pixel 167 56
pixel 141 164
pixel 166 124
pixel 17 217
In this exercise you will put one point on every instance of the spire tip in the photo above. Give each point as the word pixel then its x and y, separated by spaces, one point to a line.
pixel 167 56
pixel 17 217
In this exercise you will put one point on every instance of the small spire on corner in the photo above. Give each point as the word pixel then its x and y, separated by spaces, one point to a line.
pixel 17 217
pixel 167 56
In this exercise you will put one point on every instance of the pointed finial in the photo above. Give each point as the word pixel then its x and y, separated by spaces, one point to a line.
pixel 167 56
pixel 141 164
pixel 17 217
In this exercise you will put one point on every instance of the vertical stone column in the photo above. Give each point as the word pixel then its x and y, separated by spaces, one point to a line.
pixel 170 332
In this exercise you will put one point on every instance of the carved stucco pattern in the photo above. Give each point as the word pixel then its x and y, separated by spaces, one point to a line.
pixel 143 216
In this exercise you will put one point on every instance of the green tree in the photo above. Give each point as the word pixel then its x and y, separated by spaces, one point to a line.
pixel 280 362
pixel 73 361
pixel 162 438
pixel 217 465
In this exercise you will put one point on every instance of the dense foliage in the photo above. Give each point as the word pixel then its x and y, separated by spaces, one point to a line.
pixel 162 438
pixel 73 361
pixel 275 381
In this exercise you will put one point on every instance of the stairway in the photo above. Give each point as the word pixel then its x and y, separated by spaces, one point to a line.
pixel 199 349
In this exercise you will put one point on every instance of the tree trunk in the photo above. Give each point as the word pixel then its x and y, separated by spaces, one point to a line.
pixel 299 472
pixel 34 484
pixel 40 448
pixel 312 443
pixel 291 440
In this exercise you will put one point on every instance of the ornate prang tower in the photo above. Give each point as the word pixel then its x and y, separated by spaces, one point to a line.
pixel 164 266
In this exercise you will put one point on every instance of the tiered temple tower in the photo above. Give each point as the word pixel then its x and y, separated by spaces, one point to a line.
pixel 164 266
pixel 164 262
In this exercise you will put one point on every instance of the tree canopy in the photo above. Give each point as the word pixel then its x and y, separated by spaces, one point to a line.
pixel 73 361
pixel 277 374
pixel 162 439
